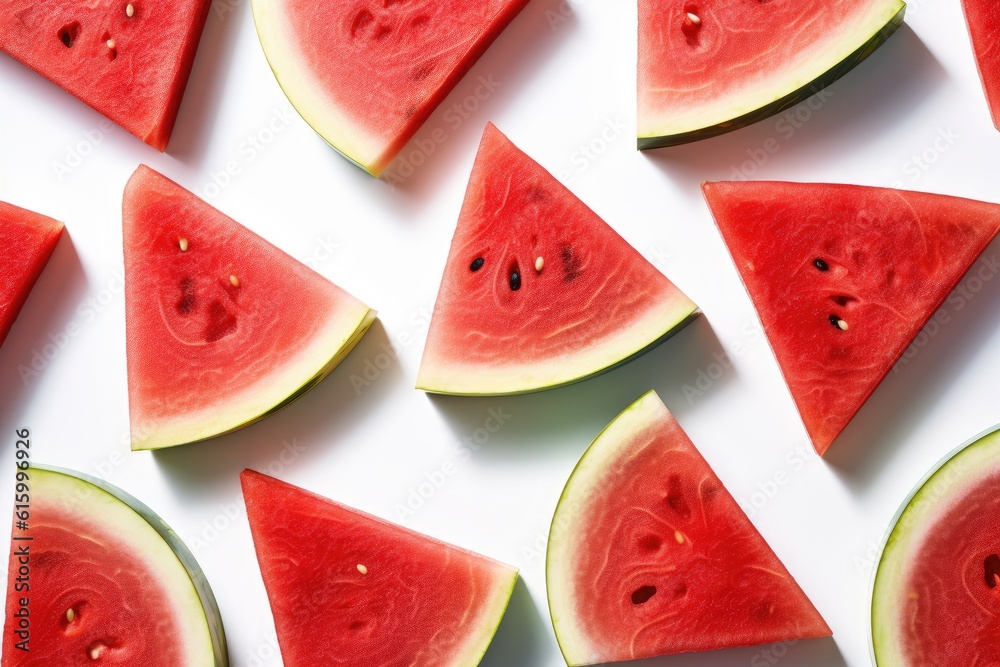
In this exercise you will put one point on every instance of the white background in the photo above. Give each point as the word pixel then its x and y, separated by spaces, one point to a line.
pixel 566 72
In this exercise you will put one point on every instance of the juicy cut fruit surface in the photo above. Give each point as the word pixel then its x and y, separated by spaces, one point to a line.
pixel 983 17
pixel 844 277
pixel 110 582
pixel 650 555
pixel 131 68
pixel 222 328
pixel 936 598
pixel 350 589
pixel 538 291
pixel 366 74
pixel 711 66
pixel 27 240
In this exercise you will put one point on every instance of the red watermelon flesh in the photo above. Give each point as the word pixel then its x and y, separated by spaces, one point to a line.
pixel 650 555
pixel 27 240
pixel 538 291
pixel 352 590
pixel 366 74
pixel 844 277
pixel 222 328
pixel 936 596
pixel 133 69
pixel 983 17
pixel 107 583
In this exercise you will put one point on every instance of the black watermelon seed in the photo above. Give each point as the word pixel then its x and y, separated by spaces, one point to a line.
pixel 515 281
pixel 821 265
pixel 477 264
pixel 992 570
pixel 835 321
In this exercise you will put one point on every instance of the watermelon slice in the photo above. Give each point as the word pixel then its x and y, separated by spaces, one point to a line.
pixel 97 578
pixel 649 554
pixel 538 291
pixel 983 17
pixel 129 60
pixel 366 75
pixel 844 277
pixel 713 66
pixel 27 240
pixel 352 590
pixel 223 329
pixel 936 595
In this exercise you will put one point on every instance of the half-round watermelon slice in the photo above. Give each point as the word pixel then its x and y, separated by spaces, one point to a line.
pixel 707 67
pixel 96 577
pixel 936 592
pixel 367 74
pixel 650 555
pixel 223 328
pixel 538 291
pixel 352 590
pixel 983 17
pixel 27 240
pixel 128 59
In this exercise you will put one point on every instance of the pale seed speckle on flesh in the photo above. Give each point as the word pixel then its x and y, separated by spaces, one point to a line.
pixel 234 280
pixel 362 569
pixel 539 264
pixel 183 244
pixel 111 44
pixel 842 324
pixel 130 10
pixel 693 18
pixel 679 536
pixel 70 615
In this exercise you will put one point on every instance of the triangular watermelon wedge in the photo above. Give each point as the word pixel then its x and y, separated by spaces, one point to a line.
pixel 650 555
pixel 129 60
pixel 983 17
pixel 844 277
pixel 366 75
pixel 353 590
pixel 538 291
pixel 222 328
pixel 27 240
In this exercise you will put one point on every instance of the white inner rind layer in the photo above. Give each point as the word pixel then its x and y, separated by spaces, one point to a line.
pixel 479 639
pixel 77 503
pixel 270 393
pixel 779 82
pixel 609 446
pixel 933 499
pixel 283 50
pixel 511 376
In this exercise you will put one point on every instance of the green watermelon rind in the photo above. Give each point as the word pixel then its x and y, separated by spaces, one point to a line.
pixel 776 106
pixel 917 511
pixel 187 430
pixel 489 631
pixel 201 590
pixel 604 448
pixel 472 381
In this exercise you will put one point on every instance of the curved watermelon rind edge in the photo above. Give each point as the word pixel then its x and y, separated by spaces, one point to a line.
pixel 915 494
pixel 155 440
pixel 210 607
pixel 439 388
pixel 490 632
pixel 563 498
pixel 788 101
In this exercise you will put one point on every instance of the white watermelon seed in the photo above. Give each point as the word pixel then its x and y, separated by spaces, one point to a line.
pixel 183 244
pixel 539 264
pixel 694 18
pixel 234 280
pixel 679 536
pixel 70 615
pixel 111 44
pixel 96 650
pixel 130 10
pixel 842 324
pixel 362 569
